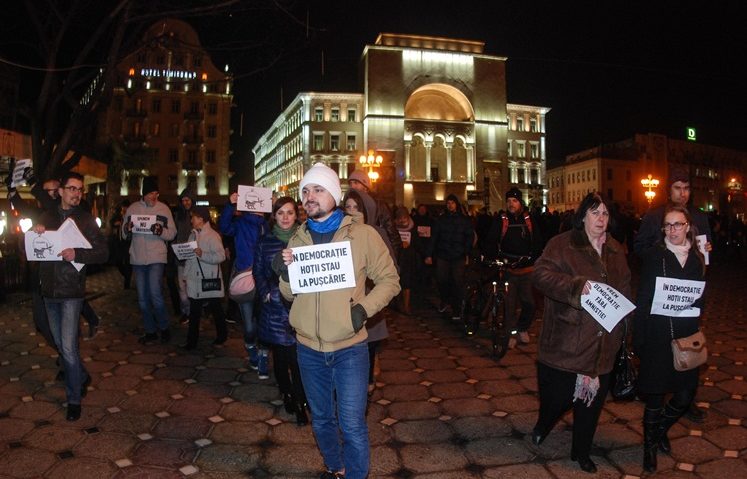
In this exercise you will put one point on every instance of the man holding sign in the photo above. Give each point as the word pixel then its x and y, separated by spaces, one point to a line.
pixel 330 323
pixel 150 225
pixel 63 286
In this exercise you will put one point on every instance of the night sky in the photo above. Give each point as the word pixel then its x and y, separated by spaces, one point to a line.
pixel 607 69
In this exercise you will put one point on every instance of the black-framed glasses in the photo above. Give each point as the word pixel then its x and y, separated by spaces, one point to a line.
pixel 73 189
pixel 677 226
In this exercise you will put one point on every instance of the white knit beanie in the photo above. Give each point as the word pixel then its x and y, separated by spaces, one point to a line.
pixel 324 176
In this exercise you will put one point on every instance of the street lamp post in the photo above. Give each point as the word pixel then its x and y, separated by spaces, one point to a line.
pixel 650 183
pixel 371 161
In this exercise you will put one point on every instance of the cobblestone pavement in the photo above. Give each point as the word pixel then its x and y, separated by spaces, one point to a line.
pixel 443 408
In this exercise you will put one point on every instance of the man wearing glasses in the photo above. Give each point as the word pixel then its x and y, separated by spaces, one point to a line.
pixel 678 187
pixel 148 256
pixel 63 286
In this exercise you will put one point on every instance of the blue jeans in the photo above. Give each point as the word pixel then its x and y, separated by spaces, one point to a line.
pixel 149 296
pixel 249 322
pixel 64 317
pixel 336 387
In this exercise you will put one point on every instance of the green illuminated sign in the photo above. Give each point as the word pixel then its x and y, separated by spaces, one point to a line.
pixel 691 135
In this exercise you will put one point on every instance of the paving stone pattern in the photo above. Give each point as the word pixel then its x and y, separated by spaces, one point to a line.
pixel 442 408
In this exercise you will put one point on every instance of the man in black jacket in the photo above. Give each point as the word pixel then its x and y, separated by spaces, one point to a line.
pixel 520 243
pixel 63 286
pixel 452 238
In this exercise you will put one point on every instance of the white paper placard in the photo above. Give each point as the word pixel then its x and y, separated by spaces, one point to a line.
pixel 702 240
pixel 254 199
pixel 141 224
pixel 606 305
pixel 184 250
pixel 405 236
pixel 21 165
pixel 323 267
pixel 674 297
pixel 424 231
pixel 47 246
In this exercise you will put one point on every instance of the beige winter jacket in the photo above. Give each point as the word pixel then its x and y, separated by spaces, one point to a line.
pixel 322 320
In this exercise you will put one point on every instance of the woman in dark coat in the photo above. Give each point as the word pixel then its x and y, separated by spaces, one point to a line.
pixel 576 354
pixel 675 256
pixel 274 327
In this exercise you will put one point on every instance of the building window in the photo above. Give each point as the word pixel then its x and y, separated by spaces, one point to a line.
pixel 210 182
pixel 318 114
pixel 351 143
pixel 335 114
pixel 334 142
pixel 176 106
pixel 194 107
pixel 212 108
pixel 192 157
pixel 352 114
pixel 156 105
pixel 609 176
pixel 210 156
pixel 173 155
pixel 520 150
pixel 335 167
pixel 534 176
pixel 533 125
pixel 521 172
pixel 520 123
pixel 609 194
pixel 535 150
pixel 318 142
pixel 212 131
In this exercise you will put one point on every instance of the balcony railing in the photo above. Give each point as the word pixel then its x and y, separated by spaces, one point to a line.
pixel 192 165
pixel 193 140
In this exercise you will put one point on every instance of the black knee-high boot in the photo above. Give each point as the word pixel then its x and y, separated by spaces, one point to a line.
pixel 651 431
pixel 670 416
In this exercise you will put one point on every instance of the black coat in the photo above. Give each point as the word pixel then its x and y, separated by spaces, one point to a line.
pixel 60 279
pixel 452 237
pixel 652 336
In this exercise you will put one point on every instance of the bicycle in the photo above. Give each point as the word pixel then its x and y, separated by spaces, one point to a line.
pixel 485 297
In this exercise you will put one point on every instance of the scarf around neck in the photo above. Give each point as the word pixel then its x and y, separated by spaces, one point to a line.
pixel 327 226
pixel 284 235
pixel 680 251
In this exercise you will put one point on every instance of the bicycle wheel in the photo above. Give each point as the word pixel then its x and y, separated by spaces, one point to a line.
pixel 500 335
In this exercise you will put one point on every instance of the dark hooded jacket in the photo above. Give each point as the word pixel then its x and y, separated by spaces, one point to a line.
pixel 452 235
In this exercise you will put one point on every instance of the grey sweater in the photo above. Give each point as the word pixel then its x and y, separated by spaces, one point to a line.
pixel 149 249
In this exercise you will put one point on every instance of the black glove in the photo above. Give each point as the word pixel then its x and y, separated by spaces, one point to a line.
pixel 279 267
pixel 358 316
pixel 157 229
pixel 29 176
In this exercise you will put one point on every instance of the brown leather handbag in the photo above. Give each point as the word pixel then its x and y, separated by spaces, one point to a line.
pixel 688 352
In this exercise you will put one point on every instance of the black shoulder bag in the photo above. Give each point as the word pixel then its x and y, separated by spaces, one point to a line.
pixel 209 284
pixel 624 374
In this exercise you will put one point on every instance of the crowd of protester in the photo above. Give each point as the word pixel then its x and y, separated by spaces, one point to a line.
pixel 240 265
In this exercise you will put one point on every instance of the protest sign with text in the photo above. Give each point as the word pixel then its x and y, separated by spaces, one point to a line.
pixel 141 224
pixel 606 305
pixel 254 199
pixel 48 245
pixel 18 171
pixel 184 251
pixel 323 267
pixel 675 297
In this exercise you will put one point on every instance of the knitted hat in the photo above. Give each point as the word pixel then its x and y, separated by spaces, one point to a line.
pixel 516 194
pixel 362 177
pixel 678 173
pixel 150 184
pixel 324 176
pixel 202 212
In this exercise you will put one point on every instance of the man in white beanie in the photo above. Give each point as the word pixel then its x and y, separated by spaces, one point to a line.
pixel 330 325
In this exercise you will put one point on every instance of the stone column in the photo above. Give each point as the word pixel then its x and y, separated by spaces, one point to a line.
pixel 448 161
pixel 470 163
pixel 428 146
pixel 407 160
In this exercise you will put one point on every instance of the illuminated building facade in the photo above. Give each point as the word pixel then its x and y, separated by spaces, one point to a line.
pixel 616 170
pixel 434 108
pixel 170 112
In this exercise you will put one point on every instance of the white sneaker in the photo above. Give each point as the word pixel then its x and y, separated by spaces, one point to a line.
pixel 524 337
pixel 511 342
